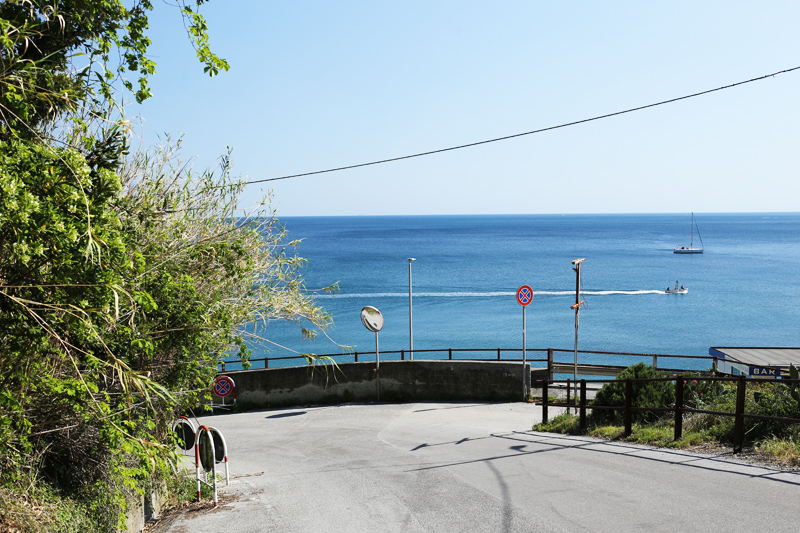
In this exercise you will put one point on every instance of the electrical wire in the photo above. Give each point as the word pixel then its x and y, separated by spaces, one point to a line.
pixel 459 147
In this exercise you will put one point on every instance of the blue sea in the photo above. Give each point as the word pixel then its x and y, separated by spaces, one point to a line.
pixel 468 268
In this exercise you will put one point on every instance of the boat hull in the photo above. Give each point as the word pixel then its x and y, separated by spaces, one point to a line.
pixel 677 291
pixel 687 250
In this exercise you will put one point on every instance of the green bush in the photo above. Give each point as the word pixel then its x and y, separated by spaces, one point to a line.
pixel 563 423
pixel 653 394
pixel 702 394
pixel 771 399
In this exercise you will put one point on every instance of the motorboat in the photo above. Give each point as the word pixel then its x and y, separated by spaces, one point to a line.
pixel 677 289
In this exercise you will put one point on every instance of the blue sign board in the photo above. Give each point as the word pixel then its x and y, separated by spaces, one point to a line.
pixel 759 371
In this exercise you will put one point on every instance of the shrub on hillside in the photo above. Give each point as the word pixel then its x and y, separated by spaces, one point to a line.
pixel 645 394
pixel 771 399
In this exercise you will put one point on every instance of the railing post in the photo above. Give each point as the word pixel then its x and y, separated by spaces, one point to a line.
pixel 628 405
pixel 714 365
pixel 655 360
pixel 498 354
pixel 223 366
pixel 545 398
pixel 738 425
pixel 569 389
pixel 550 363
pixel 583 405
pixel 356 357
pixel 402 355
pixel 678 408
pixel 450 352
pixel 266 362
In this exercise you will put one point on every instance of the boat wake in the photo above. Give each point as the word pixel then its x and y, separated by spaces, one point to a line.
pixel 483 294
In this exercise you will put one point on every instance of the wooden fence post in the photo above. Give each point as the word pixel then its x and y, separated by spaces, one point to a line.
pixel 628 404
pixel 498 354
pixel 402 355
pixel 450 352
pixel 583 405
pixel 549 363
pixel 569 390
pixel 356 356
pixel 738 425
pixel 545 398
pixel 678 408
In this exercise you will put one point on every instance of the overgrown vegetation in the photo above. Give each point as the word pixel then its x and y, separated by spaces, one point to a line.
pixel 124 278
pixel 775 440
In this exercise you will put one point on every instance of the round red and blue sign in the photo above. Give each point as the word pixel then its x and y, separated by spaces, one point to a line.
pixel 524 295
pixel 223 386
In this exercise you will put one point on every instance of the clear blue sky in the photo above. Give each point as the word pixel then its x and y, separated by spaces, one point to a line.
pixel 315 85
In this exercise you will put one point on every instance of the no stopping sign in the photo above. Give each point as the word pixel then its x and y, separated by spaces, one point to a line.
pixel 223 386
pixel 524 295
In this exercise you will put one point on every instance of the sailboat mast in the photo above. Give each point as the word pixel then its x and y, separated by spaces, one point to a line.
pixel 691 243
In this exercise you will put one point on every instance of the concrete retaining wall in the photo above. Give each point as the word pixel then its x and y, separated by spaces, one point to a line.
pixel 400 381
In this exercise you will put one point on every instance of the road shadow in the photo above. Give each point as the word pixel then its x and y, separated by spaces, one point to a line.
pixel 548 443
pixel 286 415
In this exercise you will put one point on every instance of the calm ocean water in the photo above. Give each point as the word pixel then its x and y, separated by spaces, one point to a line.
pixel 468 268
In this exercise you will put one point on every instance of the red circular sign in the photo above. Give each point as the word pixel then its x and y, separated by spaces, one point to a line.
pixel 524 295
pixel 223 386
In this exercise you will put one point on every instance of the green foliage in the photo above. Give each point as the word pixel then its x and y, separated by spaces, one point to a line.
pixel 563 423
pixel 42 40
pixel 123 279
pixel 794 388
pixel 645 394
pixel 785 451
pixel 41 508
pixel 119 293
pixel 700 393
pixel 771 399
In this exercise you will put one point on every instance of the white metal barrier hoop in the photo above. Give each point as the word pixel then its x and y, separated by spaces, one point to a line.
pixel 184 432
pixel 220 450
pixel 202 456
pixel 210 448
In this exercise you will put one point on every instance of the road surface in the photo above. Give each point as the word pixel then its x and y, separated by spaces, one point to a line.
pixel 475 467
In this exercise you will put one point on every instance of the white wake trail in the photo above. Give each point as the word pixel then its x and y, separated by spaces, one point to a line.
pixel 493 294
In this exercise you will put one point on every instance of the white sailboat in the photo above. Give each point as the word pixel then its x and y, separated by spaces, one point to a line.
pixel 691 249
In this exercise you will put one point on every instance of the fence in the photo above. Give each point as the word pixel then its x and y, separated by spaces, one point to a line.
pixel 587 364
pixel 678 409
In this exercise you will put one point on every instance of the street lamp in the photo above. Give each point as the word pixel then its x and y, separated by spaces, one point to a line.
pixel 577 308
pixel 410 314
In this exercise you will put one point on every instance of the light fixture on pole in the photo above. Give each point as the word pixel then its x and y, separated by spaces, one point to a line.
pixel 410 314
pixel 577 308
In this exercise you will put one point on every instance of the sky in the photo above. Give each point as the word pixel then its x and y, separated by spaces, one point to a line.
pixel 315 85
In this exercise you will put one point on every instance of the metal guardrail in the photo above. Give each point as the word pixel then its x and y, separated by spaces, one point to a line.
pixel 497 354
pixel 679 409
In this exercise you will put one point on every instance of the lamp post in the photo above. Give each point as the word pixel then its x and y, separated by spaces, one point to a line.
pixel 577 308
pixel 410 314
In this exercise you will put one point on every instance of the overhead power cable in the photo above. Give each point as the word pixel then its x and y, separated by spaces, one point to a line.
pixel 459 147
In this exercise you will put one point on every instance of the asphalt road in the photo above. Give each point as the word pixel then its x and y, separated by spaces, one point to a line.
pixel 473 467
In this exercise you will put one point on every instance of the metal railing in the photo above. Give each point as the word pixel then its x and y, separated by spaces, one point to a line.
pixel 403 354
pixel 554 365
pixel 678 408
